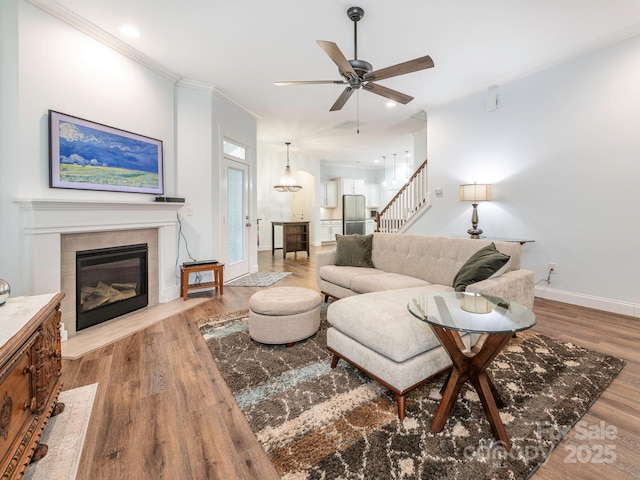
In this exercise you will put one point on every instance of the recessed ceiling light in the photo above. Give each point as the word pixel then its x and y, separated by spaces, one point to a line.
pixel 391 104
pixel 130 31
pixel 376 161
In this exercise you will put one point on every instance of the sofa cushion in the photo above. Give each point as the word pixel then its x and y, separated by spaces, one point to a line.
pixel 343 276
pixel 430 258
pixel 382 322
pixel 354 250
pixel 384 281
pixel 480 266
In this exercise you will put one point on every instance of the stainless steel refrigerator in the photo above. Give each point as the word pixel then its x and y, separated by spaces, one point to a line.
pixel 353 214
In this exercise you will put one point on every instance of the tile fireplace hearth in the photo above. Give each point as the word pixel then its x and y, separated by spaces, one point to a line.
pixel 50 224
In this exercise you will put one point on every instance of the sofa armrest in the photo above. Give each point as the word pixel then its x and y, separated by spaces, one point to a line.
pixel 516 286
pixel 326 257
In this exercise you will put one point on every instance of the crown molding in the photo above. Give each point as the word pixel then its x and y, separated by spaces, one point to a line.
pixel 67 16
pixel 196 85
pixel 210 88
pixel 76 21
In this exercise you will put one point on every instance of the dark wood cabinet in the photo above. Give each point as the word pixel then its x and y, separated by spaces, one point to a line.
pixel 295 237
pixel 30 368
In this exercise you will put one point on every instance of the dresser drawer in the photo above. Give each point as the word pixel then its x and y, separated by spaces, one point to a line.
pixel 17 400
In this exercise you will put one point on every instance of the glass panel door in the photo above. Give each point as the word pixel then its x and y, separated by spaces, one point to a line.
pixel 238 224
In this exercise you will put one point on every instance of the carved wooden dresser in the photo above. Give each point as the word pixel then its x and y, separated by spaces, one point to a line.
pixel 30 364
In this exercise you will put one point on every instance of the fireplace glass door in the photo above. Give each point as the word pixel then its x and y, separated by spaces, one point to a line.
pixel 110 282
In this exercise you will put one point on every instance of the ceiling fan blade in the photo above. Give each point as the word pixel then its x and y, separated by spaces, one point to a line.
pixel 338 57
pixel 342 99
pixel 387 93
pixel 311 82
pixel 414 65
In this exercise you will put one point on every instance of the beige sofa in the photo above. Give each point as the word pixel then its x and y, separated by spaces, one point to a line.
pixel 371 327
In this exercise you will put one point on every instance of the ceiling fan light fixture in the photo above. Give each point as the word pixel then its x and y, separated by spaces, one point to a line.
pixel 287 183
pixel 359 74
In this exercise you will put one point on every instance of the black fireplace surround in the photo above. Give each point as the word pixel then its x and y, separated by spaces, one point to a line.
pixel 110 282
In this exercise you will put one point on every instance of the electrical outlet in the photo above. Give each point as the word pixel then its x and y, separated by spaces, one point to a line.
pixel 553 267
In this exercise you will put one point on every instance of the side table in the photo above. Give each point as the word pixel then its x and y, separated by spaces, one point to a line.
pixel 295 237
pixel 216 284
pixel 496 320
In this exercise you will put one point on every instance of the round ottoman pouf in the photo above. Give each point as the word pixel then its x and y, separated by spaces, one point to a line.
pixel 284 315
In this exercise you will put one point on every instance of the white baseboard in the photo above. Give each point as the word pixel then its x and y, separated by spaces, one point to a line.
pixel 590 301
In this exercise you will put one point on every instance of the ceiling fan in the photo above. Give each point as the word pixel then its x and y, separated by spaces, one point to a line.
pixel 358 74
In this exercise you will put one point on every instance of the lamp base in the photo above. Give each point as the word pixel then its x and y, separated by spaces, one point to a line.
pixel 474 232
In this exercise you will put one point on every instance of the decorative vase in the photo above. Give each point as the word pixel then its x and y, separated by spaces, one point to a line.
pixel 5 290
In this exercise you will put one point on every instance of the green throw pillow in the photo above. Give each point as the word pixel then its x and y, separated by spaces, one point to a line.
pixel 354 250
pixel 482 264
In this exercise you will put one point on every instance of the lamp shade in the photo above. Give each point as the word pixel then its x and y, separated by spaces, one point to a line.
pixel 475 192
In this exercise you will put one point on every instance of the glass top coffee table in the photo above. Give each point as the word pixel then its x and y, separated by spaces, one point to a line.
pixel 496 321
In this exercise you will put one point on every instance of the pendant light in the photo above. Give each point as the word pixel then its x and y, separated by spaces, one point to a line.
pixel 287 182
pixel 393 182
pixel 406 166
pixel 384 162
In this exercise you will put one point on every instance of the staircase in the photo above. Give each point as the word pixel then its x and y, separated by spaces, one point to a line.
pixel 409 203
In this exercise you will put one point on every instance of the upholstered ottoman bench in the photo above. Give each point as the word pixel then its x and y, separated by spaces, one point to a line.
pixel 284 315
pixel 375 333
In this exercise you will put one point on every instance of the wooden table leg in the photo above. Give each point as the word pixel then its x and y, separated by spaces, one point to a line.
pixel 273 240
pixel 220 277
pixel 184 283
pixel 471 365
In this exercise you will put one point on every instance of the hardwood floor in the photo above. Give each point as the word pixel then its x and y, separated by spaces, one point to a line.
pixel 162 409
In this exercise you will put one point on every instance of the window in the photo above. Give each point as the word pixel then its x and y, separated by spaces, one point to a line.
pixel 233 150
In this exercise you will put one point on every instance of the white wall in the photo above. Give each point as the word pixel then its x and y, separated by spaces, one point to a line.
pixel 194 128
pixel 276 206
pixel 47 64
pixel 203 120
pixel 9 159
pixel 53 66
pixel 563 154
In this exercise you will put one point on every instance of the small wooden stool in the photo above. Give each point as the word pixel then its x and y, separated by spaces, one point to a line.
pixel 217 284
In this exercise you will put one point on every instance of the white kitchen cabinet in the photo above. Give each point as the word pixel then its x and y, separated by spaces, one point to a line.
pixel 329 192
pixel 370 227
pixel 325 231
pixel 329 229
pixel 352 186
pixel 371 195
pixel 336 228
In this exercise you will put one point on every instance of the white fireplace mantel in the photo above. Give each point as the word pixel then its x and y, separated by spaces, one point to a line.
pixel 45 220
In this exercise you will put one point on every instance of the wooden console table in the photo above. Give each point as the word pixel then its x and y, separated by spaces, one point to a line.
pixel 218 280
pixel 295 237
pixel 30 368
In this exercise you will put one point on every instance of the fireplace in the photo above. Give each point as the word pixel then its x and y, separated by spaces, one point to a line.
pixel 55 229
pixel 110 282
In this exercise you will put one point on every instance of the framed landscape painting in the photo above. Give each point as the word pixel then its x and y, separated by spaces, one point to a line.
pixel 90 156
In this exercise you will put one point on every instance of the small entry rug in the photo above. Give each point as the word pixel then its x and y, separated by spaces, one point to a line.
pixel 315 422
pixel 257 279
pixel 64 435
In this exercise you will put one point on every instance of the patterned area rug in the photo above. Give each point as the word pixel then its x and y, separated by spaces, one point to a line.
pixel 257 279
pixel 317 423
pixel 64 435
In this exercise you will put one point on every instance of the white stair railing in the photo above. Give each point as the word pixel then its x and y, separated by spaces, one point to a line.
pixel 407 202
